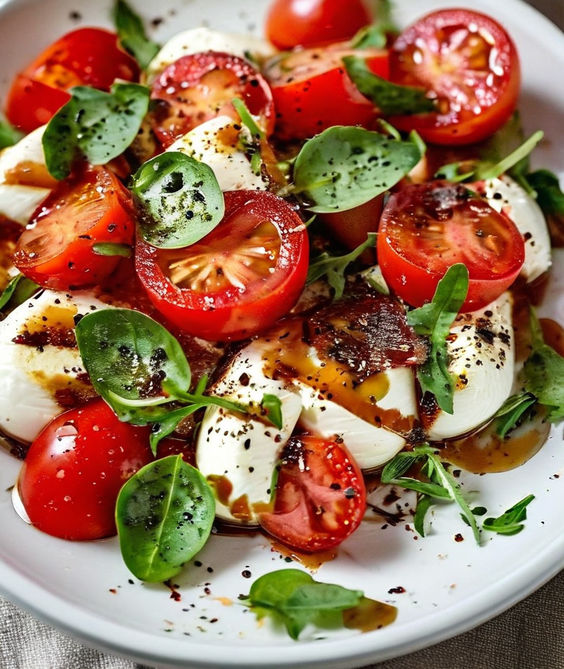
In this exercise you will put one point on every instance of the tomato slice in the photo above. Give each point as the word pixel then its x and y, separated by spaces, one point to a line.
pixel 312 90
pixel 291 23
pixel 320 495
pixel 75 468
pixel 87 56
pixel 248 272
pixel 57 249
pixel 201 86
pixel 426 228
pixel 470 66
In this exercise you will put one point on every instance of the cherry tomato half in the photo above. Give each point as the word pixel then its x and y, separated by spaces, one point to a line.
pixel 75 468
pixel 240 278
pixel 320 495
pixel 83 57
pixel 426 228
pixel 471 67
pixel 200 86
pixel 312 90
pixel 57 250
pixel 291 23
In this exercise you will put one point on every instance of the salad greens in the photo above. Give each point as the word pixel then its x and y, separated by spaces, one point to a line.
pixel 132 35
pixel 510 522
pixel 513 411
pixel 8 134
pixel 376 35
pixel 18 290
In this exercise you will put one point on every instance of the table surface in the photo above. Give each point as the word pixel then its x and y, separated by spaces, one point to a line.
pixel 528 636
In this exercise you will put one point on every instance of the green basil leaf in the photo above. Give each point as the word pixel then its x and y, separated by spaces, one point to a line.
pixel 166 423
pixel 112 249
pixel 549 194
pixel 18 290
pixel 179 200
pixel 434 320
pixel 322 596
pixel 8 134
pixel 389 98
pixel 512 412
pixel 132 360
pixel 334 267
pixel 345 166
pixel 510 522
pixel 375 36
pixel 164 516
pixel 94 125
pixel 132 35
pixel 273 408
pixel 424 503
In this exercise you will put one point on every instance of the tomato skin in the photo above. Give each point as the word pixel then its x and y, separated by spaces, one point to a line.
pixel 56 250
pixel 74 470
pixel 475 97
pixel 312 90
pixel 231 312
pixel 426 228
pixel 291 23
pixel 320 495
pixel 199 87
pixel 87 57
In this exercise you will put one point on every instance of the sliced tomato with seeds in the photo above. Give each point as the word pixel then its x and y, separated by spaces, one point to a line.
pixel 201 86
pixel 240 278
pixel 58 248
pixel 320 496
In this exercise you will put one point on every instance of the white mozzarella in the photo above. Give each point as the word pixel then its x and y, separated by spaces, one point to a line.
pixel 216 143
pixel 241 451
pixel 481 351
pixel 506 195
pixel 19 201
pixel 31 375
pixel 197 40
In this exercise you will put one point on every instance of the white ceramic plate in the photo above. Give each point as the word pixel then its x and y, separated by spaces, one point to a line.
pixel 449 586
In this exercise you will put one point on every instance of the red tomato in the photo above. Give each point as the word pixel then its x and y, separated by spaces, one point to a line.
pixel 201 86
pixel 320 495
pixel 248 272
pixel 426 228
pixel 57 248
pixel 312 90
pixel 291 23
pixel 469 64
pixel 75 468
pixel 84 57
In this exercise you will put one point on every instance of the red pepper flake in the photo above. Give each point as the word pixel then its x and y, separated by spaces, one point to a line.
pixel 399 590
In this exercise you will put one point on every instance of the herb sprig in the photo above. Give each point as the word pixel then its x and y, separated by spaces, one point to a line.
pixel 132 35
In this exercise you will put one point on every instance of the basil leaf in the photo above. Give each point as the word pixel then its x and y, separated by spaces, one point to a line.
pixel 389 98
pixel 112 249
pixel 166 423
pixel 334 267
pixel 424 503
pixel 94 125
pixel 8 134
pixel 549 194
pixel 510 522
pixel 345 166
pixel 164 516
pixel 376 35
pixel 512 412
pixel 132 35
pixel 273 407
pixel 179 200
pixel 132 360
pixel 434 321
pixel 18 290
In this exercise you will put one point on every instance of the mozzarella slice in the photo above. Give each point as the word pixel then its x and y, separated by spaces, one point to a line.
pixel 217 144
pixel 24 180
pixel 238 453
pixel 204 39
pixel 482 360
pixel 41 373
pixel 505 195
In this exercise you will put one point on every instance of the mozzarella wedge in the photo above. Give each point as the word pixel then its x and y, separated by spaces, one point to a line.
pixel 197 40
pixel 217 143
pixel 238 453
pixel 40 366
pixel 482 360
pixel 505 195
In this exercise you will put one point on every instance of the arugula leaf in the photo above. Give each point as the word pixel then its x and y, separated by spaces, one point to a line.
pixel 18 290
pixel 112 249
pixel 376 35
pixel 132 35
pixel 549 194
pixel 164 516
pixel 434 321
pixel 94 125
pixel 273 408
pixel 346 166
pixel 8 134
pixel 543 372
pixel 392 474
pixel 455 172
pixel 510 522
pixel 512 412
pixel 334 267
pixel 388 97
pixel 424 503
pixel 179 200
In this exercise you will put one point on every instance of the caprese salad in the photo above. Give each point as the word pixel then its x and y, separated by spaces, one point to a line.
pixel 253 282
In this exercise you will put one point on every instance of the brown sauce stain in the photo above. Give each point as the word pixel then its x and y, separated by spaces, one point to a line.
pixel 241 509
pixel 222 487
pixel 67 392
pixel 311 561
pixel 28 173
pixel 369 615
